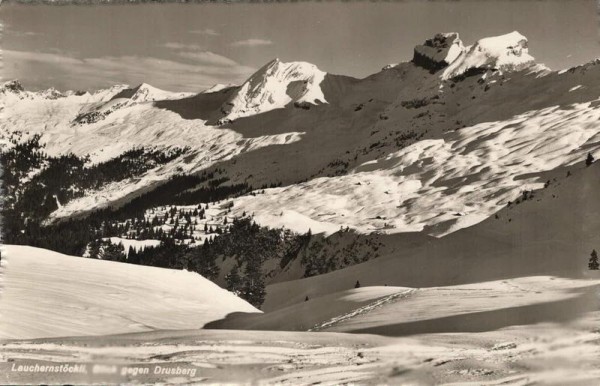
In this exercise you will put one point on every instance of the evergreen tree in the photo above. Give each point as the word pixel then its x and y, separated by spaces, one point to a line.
pixel 306 298
pixel 94 249
pixel 233 281
pixel 203 264
pixel 357 285
pixel 593 264
pixel 253 290
pixel 133 255
pixel 112 252
pixel 589 160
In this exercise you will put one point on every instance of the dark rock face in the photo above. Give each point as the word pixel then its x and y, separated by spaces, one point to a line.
pixel 89 118
pixel 302 105
pixel 13 86
pixel 438 52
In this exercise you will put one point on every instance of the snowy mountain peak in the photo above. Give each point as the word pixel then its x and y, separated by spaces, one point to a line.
pixel 504 52
pixel 218 87
pixel 144 93
pixel 12 86
pixel 118 97
pixel 147 93
pixel 274 86
pixel 438 52
pixel 51 93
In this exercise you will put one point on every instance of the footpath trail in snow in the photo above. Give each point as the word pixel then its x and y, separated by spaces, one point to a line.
pixel 364 309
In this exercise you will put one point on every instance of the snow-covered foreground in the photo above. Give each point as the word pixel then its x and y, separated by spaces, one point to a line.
pixel 548 353
pixel 521 331
pixel 48 294
pixel 398 311
pixel 472 307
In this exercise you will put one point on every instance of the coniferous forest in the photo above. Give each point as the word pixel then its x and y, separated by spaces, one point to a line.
pixel 174 213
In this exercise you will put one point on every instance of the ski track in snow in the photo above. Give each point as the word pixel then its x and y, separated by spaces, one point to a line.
pixel 363 310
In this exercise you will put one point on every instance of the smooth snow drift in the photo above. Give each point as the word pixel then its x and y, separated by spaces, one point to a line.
pixel 533 352
pixel 48 294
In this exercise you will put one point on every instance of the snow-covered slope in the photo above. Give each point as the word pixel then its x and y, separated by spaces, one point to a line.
pixel 390 310
pixel 126 97
pixel 437 185
pixel 504 52
pixel 47 294
pixel 129 125
pixel 478 307
pixel 316 311
pixel 124 125
pixel 275 86
pixel 548 232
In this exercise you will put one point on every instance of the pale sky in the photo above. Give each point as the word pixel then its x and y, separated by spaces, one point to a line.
pixel 189 47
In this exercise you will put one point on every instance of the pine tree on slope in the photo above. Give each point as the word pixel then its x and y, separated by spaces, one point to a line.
pixel 589 160
pixel 593 264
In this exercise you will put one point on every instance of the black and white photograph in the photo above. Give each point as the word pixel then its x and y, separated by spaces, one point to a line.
pixel 300 192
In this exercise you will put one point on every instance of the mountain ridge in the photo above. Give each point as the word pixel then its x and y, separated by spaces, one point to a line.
pixel 341 140
pixel 508 51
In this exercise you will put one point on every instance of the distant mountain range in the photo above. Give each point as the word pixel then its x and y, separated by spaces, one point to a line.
pixel 437 143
